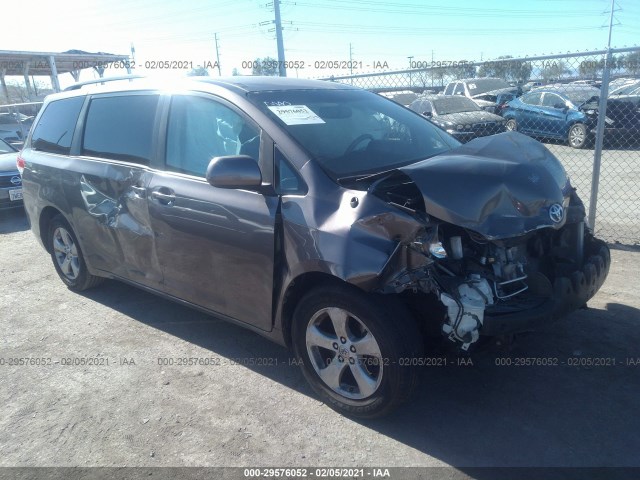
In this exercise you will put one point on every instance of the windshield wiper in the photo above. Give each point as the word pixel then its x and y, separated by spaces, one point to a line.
pixel 360 178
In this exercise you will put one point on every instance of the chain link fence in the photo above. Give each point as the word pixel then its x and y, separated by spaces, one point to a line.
pixel 585 107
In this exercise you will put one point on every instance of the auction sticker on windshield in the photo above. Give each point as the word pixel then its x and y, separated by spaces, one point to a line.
pixel 296 115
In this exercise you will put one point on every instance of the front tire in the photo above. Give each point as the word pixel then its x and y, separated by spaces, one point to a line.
pixel 356 349
pixel 67 256
pixel 511 125
pixel 578 136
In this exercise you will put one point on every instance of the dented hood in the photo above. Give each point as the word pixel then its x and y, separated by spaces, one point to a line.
pixel 500 186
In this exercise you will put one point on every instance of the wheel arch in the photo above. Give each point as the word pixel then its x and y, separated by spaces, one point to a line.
pixel 46 215
pixel 296 290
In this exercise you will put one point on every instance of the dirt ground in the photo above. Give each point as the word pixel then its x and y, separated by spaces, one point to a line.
pixel 95 386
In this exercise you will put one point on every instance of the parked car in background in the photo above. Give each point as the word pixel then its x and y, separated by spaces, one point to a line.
pixel 590 83
pixel 320 215
pixel 483 91
pixel 619 83
pixel 14 127
pixel 531 85
pixel 568 113
pixel 403 98
pixel 458 116
pixel 502 100
pixel 622 124
pixel 629 88
pixel 10 180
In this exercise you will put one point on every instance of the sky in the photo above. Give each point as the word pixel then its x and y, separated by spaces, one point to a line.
pixel 381 34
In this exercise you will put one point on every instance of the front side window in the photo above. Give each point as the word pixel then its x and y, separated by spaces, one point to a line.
pixel 54 130
pixel 288 180
pixel 200 129
pixel 551 100
pixel 121 128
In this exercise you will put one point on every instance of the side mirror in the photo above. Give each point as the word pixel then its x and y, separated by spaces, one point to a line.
pixel 234 171
pixel 560 106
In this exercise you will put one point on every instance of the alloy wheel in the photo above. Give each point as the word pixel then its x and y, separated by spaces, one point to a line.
pixel 344 353
pixel 66 253
pixel 576 136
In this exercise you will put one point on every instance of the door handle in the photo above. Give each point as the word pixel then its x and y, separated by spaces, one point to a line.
pixel 164 198
pixel 140 191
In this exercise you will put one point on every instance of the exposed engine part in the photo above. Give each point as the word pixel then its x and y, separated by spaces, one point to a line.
pixel 456 247
pixel 508 268
pixel 437 250
pixel 465 310
pixel 510 288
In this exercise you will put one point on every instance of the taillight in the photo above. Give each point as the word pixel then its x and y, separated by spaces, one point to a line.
pixel 20 164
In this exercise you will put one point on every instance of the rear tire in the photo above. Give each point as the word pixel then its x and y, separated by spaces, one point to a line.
pixel 67 256
pixel 356 349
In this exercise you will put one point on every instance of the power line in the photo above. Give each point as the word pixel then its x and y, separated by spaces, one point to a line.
pixel 376 29
pixel 449 12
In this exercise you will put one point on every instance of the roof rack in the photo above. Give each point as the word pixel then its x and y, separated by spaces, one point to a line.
pixel 79 85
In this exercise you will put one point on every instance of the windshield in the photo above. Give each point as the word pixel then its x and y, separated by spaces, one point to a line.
pixel 444 106
pixel 353 132
pixel 483 85
pixel 578 97
pixel 5 147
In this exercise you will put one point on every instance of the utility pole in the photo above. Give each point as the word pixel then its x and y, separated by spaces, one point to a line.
pixel 281 69
pixel 602 113
pixel 351 62
pixel 350 59
pixel 431 68
pixel 215 36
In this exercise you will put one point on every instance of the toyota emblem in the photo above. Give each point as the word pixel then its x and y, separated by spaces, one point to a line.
pixel 556 213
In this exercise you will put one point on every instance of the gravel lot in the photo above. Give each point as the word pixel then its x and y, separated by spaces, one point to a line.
pixel 135 412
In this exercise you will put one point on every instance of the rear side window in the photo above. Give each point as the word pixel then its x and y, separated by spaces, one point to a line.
pixel 531 98
pixel 54 130
pixel 121 128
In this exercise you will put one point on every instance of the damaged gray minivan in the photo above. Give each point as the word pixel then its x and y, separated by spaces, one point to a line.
pixel 322 216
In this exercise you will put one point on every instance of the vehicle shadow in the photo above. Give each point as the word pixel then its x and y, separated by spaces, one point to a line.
pixel 501 412
pixel 13 220
pixel 577 408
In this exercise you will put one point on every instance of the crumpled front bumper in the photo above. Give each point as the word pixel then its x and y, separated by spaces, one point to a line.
pixel 569 293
